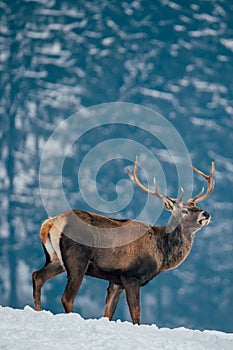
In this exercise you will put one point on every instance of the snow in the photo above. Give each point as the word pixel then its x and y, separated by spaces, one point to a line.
pixel 28 329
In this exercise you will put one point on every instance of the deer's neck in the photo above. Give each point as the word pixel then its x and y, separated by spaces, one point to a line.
pixel 175 245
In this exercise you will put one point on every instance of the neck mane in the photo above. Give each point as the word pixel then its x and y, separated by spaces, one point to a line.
pixel 175 243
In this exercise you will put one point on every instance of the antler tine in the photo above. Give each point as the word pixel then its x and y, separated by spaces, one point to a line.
pixel 157 190
pixel 204 175
pixel 198 198
pixel 181 195
pixel 178 200
pixel 136 180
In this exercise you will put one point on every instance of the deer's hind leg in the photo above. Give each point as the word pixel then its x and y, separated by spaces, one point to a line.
pixel 76 261
pixel 52 268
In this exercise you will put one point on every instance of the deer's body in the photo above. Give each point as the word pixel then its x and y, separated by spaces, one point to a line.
pixel 154 251
pixel 128 266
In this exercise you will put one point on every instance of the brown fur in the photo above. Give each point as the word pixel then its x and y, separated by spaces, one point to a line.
pixel 134 253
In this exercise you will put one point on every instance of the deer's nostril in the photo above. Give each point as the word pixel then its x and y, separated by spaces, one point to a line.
pixel 206 214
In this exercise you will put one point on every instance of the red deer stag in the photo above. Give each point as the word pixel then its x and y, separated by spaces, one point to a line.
pixel 129 266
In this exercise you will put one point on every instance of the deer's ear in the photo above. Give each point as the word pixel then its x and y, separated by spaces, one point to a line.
pixel 168 203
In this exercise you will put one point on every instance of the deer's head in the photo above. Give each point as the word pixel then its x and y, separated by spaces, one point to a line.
pixel 187 214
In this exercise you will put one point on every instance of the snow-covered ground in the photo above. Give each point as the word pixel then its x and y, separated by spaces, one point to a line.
pixel 27 329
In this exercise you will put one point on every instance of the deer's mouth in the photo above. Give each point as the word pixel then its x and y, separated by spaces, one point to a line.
pixel 204 222
pixel 204 218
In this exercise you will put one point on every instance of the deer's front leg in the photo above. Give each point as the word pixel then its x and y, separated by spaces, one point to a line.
pixel 132 289
pixel 114 292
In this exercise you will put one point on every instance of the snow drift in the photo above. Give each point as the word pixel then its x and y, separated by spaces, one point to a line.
pixel 30 330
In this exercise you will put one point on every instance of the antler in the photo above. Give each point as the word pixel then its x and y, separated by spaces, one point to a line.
pixel 156 191
pixel 135 179
pixel 198 198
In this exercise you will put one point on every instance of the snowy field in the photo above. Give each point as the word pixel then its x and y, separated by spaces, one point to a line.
pixel 29 330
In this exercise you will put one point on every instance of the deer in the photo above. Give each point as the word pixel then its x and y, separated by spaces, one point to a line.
pixel 127 266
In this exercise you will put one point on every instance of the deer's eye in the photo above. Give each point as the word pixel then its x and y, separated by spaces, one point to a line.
pixel 185 211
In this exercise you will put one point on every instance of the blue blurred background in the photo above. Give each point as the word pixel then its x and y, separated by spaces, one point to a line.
pixel 175 57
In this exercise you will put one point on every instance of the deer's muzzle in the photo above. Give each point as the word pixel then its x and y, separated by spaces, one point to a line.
pixel 204 218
